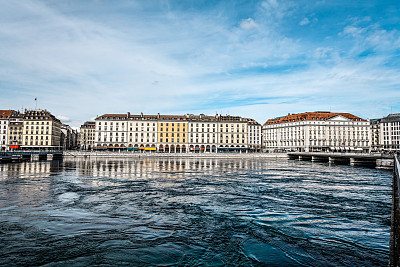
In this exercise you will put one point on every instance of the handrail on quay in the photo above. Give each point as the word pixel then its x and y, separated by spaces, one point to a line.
pixel 394 259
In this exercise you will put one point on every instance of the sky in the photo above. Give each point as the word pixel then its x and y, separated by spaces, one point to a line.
pixel 256 59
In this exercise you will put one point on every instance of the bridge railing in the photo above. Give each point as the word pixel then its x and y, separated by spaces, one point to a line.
pixel 394 259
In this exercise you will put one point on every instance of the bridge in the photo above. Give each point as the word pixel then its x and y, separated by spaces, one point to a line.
pixel 377 160
pixel 8 156
pixel 394 243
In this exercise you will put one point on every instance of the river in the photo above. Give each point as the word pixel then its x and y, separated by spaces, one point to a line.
pixel 188 212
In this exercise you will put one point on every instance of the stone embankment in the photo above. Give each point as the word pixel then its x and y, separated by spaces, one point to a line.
pixel 94 155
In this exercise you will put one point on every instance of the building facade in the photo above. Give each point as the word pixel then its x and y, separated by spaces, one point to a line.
pixel 232 132
pixel 176 133
pixel 317 131
pixel 254 135
pixel 87 135
pixel 202 133
pixel 42 130
pixel 4 123
pixel 389 138
pixel 15 131
pixel 142 132
pixel 110 131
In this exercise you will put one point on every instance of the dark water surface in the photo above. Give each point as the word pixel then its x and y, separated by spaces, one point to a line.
pixel 209 212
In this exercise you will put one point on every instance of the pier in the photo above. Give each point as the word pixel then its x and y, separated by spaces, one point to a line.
pixel 394 244
pixel 378 160
pixel 15 156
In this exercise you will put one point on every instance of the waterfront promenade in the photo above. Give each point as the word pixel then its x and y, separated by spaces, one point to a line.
pixel 68 154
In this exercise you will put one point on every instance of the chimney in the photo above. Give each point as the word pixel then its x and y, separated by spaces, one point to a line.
pixel 141 114
pixel 129 114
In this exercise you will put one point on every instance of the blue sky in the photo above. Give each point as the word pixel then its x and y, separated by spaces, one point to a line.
pixel 258 59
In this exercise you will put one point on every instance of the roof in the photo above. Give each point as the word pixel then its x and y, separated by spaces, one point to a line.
pixel 391 118
pixel 36 114
pixel 89 124
pixel 5 114
pixel 187 117
pixel 311 116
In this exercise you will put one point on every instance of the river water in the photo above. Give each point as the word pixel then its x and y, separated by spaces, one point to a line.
pixel 190 212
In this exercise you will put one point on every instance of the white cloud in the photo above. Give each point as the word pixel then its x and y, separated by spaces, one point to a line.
pixel 248 24
pixel 83 67
pixel 63 119
pixel 304 21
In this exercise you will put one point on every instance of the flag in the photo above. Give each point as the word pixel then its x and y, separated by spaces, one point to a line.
pixel 35 98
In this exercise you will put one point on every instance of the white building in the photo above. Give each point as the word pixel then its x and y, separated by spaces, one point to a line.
pixel 317 131
pixel 389 137
pixel 142 132
pixel 110 131
pixel 87 135
pixel 203 133
pixel 4 122
pixel 254 135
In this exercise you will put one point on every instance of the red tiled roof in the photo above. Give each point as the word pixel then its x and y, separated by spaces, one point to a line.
pixel 5 114
pixel 310 116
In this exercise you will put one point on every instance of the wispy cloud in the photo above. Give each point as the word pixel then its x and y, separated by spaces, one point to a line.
pixel 85 59
pixel 248 24
pixel 304 21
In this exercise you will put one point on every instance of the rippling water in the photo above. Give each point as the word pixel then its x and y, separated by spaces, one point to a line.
pixel 190 212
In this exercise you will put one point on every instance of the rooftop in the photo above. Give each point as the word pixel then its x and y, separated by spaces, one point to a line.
pixel 311 116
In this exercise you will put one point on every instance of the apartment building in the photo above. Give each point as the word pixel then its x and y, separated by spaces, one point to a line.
pixel 172 133
pixel 142 132
pixel 110 131
pixel 202 133
pixel 176 133
pixel 4 123
pixel 41 130
pixel 389 134
pixel 317 131
pixel 254 135
pixel 87 135
pixel 232 132
pixel 15 131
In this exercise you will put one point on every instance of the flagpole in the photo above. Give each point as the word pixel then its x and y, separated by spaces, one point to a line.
pixel 35 103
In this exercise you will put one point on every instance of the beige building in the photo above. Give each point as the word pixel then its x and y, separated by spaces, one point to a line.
pixel 317 131
pixel 87 135
pixel 41 130
pixel 15 131
pixel 233 135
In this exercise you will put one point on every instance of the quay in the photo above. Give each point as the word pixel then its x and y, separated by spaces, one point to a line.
pixel 128 154
pixel 377 160
pixel 15 156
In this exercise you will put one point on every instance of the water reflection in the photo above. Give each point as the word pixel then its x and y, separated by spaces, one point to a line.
pixel 193 212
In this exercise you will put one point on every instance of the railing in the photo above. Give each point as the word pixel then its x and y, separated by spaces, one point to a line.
pixel 394 244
